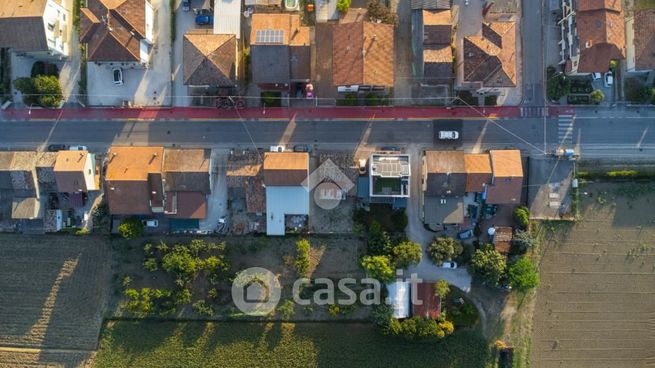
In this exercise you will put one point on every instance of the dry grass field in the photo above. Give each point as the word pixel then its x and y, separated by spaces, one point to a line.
pixel 596 303
pixel 54 290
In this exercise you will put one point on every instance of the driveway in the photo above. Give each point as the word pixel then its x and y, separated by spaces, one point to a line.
pixel 404 60
pixel 217 200
pixel 142 87
pixel 426 270
pixel 184 21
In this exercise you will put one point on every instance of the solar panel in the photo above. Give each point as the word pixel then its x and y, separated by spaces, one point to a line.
pixel 269 36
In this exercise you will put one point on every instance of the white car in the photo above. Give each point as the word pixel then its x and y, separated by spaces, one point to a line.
pixel 150 223
pixel 596 76
pixel 117 73
pixel 449 264
pixel 78 148
pixel 609 79
pixel 448 134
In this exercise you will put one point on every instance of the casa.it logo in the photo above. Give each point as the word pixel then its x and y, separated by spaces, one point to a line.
pixel 330 185
pixel 256 291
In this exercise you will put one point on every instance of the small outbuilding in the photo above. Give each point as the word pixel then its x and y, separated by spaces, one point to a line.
pixel 399 298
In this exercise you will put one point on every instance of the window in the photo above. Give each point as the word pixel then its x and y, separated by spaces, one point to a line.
pixel 51 27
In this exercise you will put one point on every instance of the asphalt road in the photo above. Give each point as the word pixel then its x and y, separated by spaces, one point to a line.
pixel 593 136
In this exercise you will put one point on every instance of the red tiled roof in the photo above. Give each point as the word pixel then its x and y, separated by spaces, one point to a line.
pixel 644 39
pixel 113 29
pixel 363 54
pixel 491 57
pixel 601 32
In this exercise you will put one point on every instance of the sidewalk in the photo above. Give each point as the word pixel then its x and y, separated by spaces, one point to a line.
pixel 316 113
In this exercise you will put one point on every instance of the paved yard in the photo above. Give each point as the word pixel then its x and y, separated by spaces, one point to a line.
pixel 54 290
pixel 142 87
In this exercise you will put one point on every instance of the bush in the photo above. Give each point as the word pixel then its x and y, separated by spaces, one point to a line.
pixel 522 241
pixel 287 309
pixel 302 257
pixel 523 275
pixel 597 96
pixel 148 301
pixel 646 95
pixel 343 6
pixel 378 12
pixel 350 99
pixel 379 242
pixel 522 216
pixel 150 264
pixel 183 296
pixel 43 90
pixel 407 253
pixel 488 265
pixel 130 228
pixel 212 293
pixel 378 267
pixel 419 328
pixel 441 288
pixel 202 308
pixel 82 232
pixel 443 249
pixel 180 263
pixel 334 310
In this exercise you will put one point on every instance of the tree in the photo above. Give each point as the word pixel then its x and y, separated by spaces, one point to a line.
pixel 130 228
pixel 441 288
pixel 523 275
pixel 379 242
pixel 43 90
pixel 302 257
pixel 287 309
pixel 443 249
pixel 522 216
pixel 522 241
pixel 407 253
pixel 378 267
pixel 181 263
pixel 488 265
pixel 343 6
pixel 559 85
pixel 597 96
pixel 378 12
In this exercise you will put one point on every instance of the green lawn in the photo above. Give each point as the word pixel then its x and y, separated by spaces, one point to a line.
pixel 645 4
pixel 204 344
pixel 380 184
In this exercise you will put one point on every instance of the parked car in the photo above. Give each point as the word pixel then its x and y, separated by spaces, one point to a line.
pixel 449 264
pixel 186 5
pixel 57 147
pixel 596 76
pixel 150 223
pixel 301 148
pixel 78 148
pixel 448 134
pixel 118 76
pixel 291 5
pixel 609 79
pixel 205 20
pixel 277 149
pixel 465 234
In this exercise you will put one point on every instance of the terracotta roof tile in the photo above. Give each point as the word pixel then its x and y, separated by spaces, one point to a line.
pixel 118 34
pixel 491 58
pixel 507 177
pixel 478 171
pixel 644 39
pixel 209 59
pixel 285 168
pixel 363 53
pixel 601 32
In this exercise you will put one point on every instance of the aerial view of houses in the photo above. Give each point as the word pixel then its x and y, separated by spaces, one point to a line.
pixel 327 183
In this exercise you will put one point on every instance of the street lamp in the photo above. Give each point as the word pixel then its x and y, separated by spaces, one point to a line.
pixel 29 109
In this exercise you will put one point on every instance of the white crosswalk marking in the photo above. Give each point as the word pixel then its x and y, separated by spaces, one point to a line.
pixel 534 112
pixel 565 129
